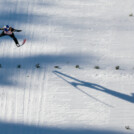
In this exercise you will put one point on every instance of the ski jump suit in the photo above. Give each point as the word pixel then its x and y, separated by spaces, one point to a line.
pixel 11 34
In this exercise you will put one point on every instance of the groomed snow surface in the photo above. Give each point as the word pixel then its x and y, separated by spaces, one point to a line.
pixel 58 97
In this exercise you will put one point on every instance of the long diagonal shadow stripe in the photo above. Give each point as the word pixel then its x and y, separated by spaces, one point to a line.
pixel 76 86
pixel 129 98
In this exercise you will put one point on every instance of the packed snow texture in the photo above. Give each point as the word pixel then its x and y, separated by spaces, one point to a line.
pixel 57 97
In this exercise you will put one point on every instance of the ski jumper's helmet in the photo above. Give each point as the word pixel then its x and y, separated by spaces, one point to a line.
pixel 6 28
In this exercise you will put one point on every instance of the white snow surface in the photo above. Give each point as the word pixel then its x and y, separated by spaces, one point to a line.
pixel 67 100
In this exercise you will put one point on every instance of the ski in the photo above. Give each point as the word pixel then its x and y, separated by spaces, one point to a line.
pixel 24 41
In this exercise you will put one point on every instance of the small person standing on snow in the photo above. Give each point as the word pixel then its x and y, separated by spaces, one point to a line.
pixel 7 30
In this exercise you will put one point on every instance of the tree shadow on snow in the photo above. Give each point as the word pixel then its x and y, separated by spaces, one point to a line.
pixel 76 83
pixel 12 128
pixel 9 64
pixel 20 13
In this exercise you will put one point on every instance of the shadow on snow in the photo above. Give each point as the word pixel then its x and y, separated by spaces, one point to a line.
pixel 77 83
pixel 9 64
pixel 12 128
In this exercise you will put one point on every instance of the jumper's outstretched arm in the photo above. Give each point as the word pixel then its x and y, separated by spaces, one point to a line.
pixel 1 28
pixel 15 30
pixel 12 29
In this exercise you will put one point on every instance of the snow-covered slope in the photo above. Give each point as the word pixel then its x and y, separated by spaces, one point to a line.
pixel 67 100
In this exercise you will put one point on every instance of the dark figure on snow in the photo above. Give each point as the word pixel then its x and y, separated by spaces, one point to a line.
pixel 7 30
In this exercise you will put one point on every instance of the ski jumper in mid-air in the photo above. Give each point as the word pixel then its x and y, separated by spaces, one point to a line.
pixel 7 30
